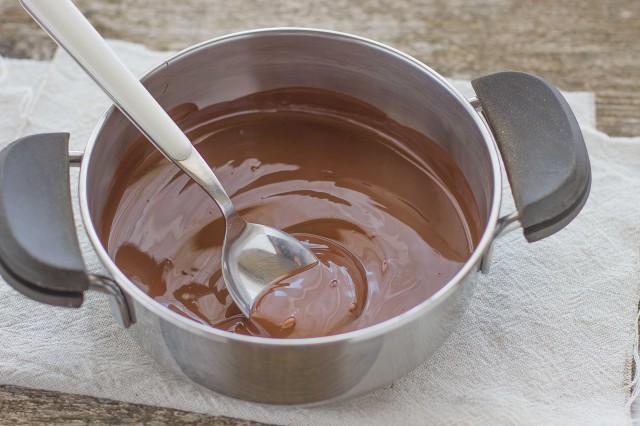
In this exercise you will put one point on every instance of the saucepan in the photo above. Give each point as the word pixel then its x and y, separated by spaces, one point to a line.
pixel 517 119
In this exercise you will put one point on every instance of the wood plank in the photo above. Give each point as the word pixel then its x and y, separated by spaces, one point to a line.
pixel 37 407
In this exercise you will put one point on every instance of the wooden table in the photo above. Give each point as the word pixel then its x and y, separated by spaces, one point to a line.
pixel 577 44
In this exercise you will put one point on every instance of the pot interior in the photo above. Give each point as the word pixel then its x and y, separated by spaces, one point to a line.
pixel 242 65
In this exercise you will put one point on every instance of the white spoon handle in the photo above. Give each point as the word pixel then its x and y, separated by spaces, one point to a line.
pixel 65 24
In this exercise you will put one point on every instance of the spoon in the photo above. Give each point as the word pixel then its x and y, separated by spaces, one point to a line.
pixel 253 256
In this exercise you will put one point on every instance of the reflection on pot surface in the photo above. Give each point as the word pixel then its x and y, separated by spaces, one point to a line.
pixel 389 214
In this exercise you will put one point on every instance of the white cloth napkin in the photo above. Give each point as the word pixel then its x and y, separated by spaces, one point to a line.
pixel 548 338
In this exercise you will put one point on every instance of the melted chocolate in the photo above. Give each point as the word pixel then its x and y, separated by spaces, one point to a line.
pixel 388 213
pixel 322 300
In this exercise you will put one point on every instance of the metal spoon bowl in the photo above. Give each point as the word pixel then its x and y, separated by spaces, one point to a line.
pixel 253 256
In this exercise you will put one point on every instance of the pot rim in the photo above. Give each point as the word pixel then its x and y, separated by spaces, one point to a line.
pixel 357 335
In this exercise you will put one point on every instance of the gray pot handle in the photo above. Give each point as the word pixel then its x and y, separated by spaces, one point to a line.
pixel 542 149
pixel 39 252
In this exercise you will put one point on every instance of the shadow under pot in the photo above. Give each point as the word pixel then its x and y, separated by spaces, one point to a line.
pixel 403 141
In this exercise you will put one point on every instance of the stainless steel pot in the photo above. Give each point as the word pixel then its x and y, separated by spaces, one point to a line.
pixel 533 127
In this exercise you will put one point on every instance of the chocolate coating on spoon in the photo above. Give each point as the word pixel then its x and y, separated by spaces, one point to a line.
pixel 388 213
